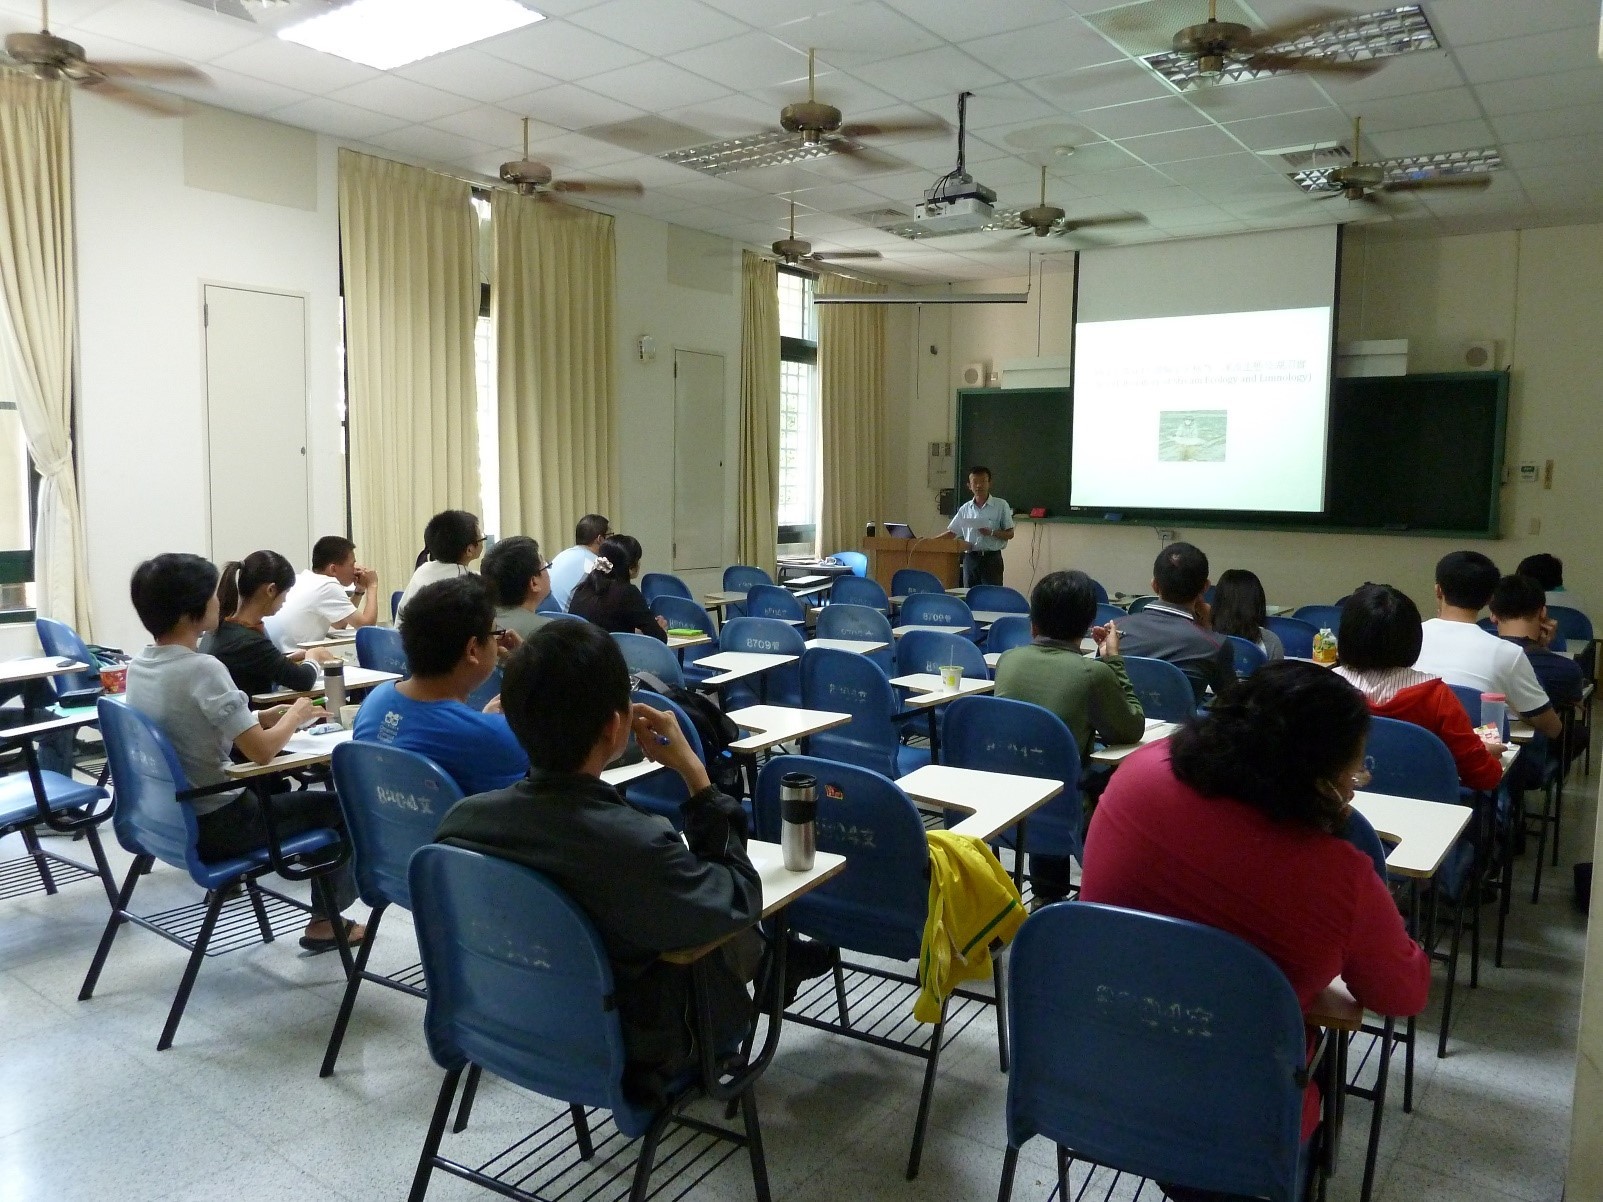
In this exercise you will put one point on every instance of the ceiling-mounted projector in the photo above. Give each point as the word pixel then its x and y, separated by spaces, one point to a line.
pixel 955 205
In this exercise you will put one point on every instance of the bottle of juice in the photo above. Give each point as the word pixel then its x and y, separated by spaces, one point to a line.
pixel 1324 646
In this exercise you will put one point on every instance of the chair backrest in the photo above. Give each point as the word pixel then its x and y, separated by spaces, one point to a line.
pixel 1139 604
pixel 738 578
pixel 878 903
pixel 997 598
pixel 838 621
pixel 518 980
pixel 937 609
pixel 682 614
pixel 1106 613
pixel 1296 636
pixel 664 792
pixel 782 685
pixel 146 780
pixel 1007 633
pixel 1165 691
pixel 1249 657
pixel 856 590
pixel 393 801
pixel 395 603
pixel 1405 760
pixel 1572 623
pixel 1470 699
pixel 645 654
pixel 379 648
pixel 1320 616
pixel 62 641
pixel 1362 835
pixel 1100 593
pixel 1157 1047
pixel 996 734
pixel 848 683
pixel 664 584
pixel 855 560
pixel 771 601
pixel 549 605
pixel 930 650
pixel 907 581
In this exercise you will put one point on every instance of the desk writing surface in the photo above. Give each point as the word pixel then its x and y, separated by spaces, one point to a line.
pixel 775 724
pixel 1335 1008
pixel 929 689
pixel 355 678
pixel 737 665
pixel 1157 730
pixel 960 631
pixel 678 641
pixel 302 751
pixel 989 617
pixel 618 777
pixel 1423 831
pixel 38 667
pixel 780 887
pixel 993 801
pixel 855 646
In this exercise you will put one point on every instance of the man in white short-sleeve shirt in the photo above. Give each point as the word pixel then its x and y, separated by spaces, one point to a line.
pixel 318 601
pixel 986 525
pixel 1463 654
pixel 571 563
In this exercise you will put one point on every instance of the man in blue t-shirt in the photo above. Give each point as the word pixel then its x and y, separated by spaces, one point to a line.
pixel 451 646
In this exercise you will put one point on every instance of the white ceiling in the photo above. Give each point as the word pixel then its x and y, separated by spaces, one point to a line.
pixel 1521 76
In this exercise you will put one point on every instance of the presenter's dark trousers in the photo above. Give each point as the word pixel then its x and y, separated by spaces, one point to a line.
pixel 982 567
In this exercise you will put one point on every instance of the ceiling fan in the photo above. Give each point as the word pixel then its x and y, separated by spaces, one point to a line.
pixel 46 56
pixel 1216 44
pixel 1367 181
pixel 794 252
pixel 1045 220
pixel 822 124
pixel 534 178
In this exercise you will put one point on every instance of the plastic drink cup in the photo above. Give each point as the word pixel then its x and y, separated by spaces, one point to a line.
pixel 114 678
pixel 951 677
pixel 1494 712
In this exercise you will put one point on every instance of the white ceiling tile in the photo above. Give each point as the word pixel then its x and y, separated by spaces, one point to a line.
pixel 1001 104
pixel 1100 86
pixel 1549 123
pixel 1229 167
pixel 1535 54
pixel 655 85
pixel 1455 135
pixel 956 20
pixel 1050 49
pixel 339 120
pixel 1093 159
pixel 942 71
pixel 850 35
pixel 659 27
pixel 1545 92
pixel 1135 178
pixel 1423 71
pixel 421 141
pixel 1296 129
pixel 575 151
pixel 489 125
pixel 1143 117
pixel 477 75
pixel 1258 98
pixel 1205 142
pixel 1465 22
pixel 1559 175
pixel 847 93
pixel 190 33
pixel 571 106
pixel 764 13
pixel 837 198
pixel 1041 138
pixel 243 93
pixel 402 98
pixel 62 12
pixel 752 60
pixel 295 66
pixel 560 49
pixel 1426 108
pixel 781 177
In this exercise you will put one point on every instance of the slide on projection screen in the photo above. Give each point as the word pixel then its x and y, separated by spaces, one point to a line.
pixel 1210 361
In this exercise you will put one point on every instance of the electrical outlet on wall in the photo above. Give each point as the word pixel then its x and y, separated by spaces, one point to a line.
pixel 1166 537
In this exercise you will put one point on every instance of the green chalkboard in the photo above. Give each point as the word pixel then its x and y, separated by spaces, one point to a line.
pixel 1023 435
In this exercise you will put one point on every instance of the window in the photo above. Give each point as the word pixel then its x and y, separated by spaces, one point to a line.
pixel 489 420
pixel 18 491
pixel 798 409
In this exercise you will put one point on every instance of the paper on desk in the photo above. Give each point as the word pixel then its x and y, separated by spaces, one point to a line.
pixel 304 744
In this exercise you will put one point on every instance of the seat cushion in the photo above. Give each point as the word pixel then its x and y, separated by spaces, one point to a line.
pixel 17 805
pixel 221 872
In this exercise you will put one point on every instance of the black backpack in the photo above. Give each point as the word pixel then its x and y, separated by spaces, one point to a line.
pixel 713 728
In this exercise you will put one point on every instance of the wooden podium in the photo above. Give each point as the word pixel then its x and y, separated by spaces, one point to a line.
pixel 941 557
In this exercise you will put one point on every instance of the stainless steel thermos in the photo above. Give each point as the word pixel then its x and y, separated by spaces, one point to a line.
pixel 334 687
pixel 798 814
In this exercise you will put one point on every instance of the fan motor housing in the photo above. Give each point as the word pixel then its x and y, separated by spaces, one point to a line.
pixel 42 49
pixel 810 119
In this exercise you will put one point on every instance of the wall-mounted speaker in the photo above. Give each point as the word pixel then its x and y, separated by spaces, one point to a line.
pixel 1480 355
pixel 976 375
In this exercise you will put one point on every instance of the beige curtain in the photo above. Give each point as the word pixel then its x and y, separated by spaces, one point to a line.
pixel 759 411
pixel 552 286
pixel 38 315
pixel 851 368
pixel 408 240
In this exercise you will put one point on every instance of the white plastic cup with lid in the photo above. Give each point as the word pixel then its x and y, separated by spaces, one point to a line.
pixel 1494 713
pixel 951 677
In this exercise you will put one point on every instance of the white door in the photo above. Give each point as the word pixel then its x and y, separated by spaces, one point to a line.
pixel 698 494
pixel 256 423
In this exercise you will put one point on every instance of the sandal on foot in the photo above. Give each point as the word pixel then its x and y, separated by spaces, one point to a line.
pixel 353 938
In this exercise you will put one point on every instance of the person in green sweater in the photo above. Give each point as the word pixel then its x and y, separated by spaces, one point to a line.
pixel 1092 694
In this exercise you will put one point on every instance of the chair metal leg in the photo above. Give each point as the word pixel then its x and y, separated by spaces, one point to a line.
pixel 323 899
pixel 1382 1075
pixel 1558 809
pixel 41 862
pixel 1474 940
pixel 1063 1173
pixel 260 910
pixel 102 867
pixel 754 1145
pixel 1548 805
pixel 1000 979
pixel 353 982
pixel 1408 1064
pixel 648 1155
pixel 119 908
pixel 469 1092
pixel 840 991
pixel 1010 1164
pixel 1452 975
pixel 937 1037
pixel 431 1141
pixel 581 1131
pixel 191 970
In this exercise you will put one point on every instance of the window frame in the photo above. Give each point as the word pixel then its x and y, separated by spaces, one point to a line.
pixel 797 350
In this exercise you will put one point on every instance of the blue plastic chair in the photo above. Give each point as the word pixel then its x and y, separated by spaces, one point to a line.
pixel 845 682
pixel 379 648
pixel 778 686
pixel 840 621
pixel 486 692
pixel 645 654
pixel 1156 1047
pixel 907 581
pixel 153 823
pixel 920 651
pixel 1165 691
pixel 1139 604
pixel 1106 613
pixel 549 605
pixel 395 603
pixel 664 584
pixel 1008 633
pixel 997 598
pixel 1320 616
pixel 393 801
pixel 543 1019
pixel 688 615
pixel 73 689
pixel 853 590
pixel 35 798
pixel 1296 636
pixel 855 560
pixel 739 579
pixel 664 792
pixel 1248 656
pixel 771 601
pixel 937 609
pixel 1101 593
pixel 1572 623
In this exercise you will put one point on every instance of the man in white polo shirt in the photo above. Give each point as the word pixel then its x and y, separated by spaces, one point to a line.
pixel 986 525
pixel 1463 654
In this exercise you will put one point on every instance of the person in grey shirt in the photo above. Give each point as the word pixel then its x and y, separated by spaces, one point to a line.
pixel 519 579
pixel 192 699
pixel 1175 627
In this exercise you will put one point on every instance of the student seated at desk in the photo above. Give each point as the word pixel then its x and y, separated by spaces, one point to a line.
pixel 646 889
pixel 318 602
pixel 450 643
pixel 191 698
pixel 607 595
pixel 1175 627
pixel 1091 695
pixel 451 540
pixel 1231 824
pixel 252 590
pixel 520 579
pixel 1378 642
pixel 1461 653
pixel 1547 570
pixel 572 563
pixel 1241 609
pixel 1519 607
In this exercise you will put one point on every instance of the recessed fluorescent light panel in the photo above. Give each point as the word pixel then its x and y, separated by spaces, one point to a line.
pixel 391 33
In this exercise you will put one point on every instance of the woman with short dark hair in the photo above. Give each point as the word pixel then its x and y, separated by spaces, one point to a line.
pixel 451 540
pixel 1241 609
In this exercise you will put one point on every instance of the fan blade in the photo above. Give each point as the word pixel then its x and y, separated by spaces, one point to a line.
pixel 1438 181
pixel 886 129
pixel 1313 66
pixel 833 256
pixel 151 102
pixel 600 187
pixel 864 157
pixel 1086 223
pixel 1291 30
pixel 151 72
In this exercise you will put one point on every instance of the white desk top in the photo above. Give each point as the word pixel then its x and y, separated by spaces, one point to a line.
pixel 992 658
pixel 676 641
pixel 336 638
pixel 1156 732
pixel 951 592
pixel 994 801
pixel 985 617
pixel 808 586
pixel 618 777
pixel 721 599
pixel 856 646
pixel 1510 754
pixel 775 724
pixel 38 667
pixel 930 690
pixel 737 665
pixel 1423 831
pixel 960 631
pixel 1521 731
pixel 302 751
pixel 780 887
pixel 355 678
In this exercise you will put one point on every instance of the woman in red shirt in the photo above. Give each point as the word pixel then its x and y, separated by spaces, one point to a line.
pixel 1229 824
pixel 1378 643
